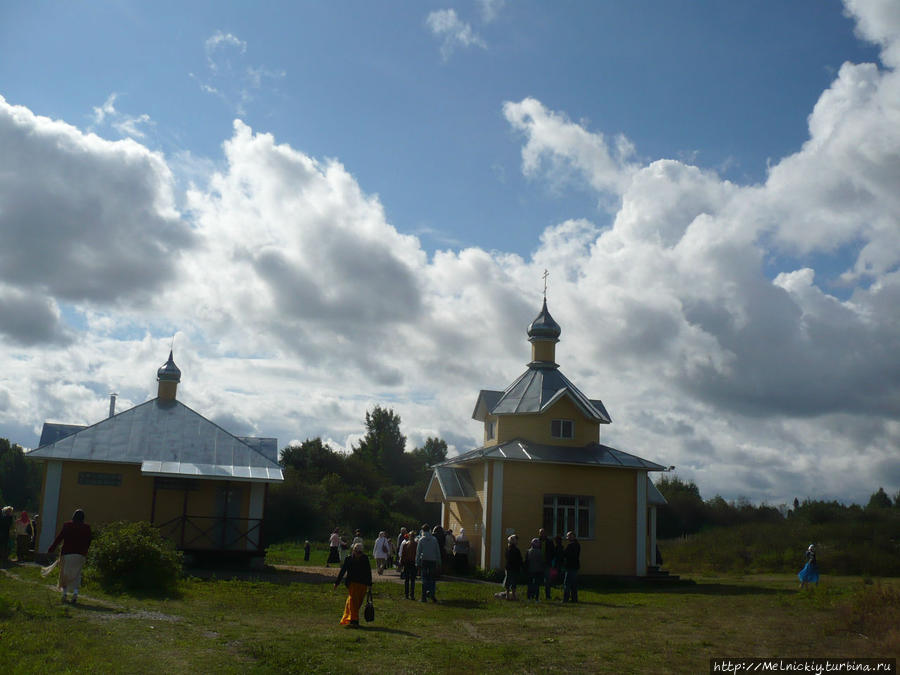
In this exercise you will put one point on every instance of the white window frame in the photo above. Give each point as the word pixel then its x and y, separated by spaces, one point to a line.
pixel 562 428
pixel 490 430
pixel 568 514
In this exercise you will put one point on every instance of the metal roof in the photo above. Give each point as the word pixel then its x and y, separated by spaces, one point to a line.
pixel 455 484
pixel 53 432
pixel 541 386
pixel 654 496
pixel 167 439
pixel 592 454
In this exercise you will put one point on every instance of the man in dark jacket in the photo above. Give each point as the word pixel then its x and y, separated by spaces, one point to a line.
pixel 571 565
pixel 358 571
pixel 548 550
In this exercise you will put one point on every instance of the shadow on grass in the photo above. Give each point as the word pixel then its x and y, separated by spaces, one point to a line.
pixel 81 605
pixel 382 629
pixel 464 603
pixel 681 587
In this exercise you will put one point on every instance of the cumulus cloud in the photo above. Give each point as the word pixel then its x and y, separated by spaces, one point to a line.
pixel 445 24
pixel 82 219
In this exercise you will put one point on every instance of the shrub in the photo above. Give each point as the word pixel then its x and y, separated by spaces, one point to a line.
pixel 134 556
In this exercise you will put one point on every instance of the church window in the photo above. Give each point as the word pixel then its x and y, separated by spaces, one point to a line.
pixel 562 429
pixel 569 512
pixel 490 429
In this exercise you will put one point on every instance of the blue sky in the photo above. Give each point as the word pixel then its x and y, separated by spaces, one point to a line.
pixel 335 205
pixel 725 86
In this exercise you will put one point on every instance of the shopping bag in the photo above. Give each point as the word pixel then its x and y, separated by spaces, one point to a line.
pixel 369 612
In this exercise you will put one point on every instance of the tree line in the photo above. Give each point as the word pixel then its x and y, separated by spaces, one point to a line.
pixel 687 513
pixel 379 485
pixel 720 536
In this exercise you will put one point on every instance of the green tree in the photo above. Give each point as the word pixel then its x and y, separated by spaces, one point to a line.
pixel 684 512
pixel 434 451
pixel 879 500
pixel 20 479
pixel 383 445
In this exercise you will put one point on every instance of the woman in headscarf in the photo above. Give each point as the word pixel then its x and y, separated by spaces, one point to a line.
pixel 24 532
pixel 461 552
pixel 76 538
pixel 381 552
pixel 334 548
pixel 810 572
pixel 359 580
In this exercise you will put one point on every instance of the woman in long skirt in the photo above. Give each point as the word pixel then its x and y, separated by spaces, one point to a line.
pixel 334 548
pixel 358 571
pixel 810 572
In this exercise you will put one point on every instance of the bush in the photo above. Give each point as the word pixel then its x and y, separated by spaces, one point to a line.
pixel 135 557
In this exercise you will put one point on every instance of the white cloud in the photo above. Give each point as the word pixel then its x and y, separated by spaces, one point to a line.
pixel 228 77
pixel 126 125
pixel 490 9
pixel 445 24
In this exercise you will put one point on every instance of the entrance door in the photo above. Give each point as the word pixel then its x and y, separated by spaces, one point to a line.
pixel 228 530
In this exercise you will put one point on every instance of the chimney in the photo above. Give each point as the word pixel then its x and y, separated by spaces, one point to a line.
pixel 112 404
pixel 168 377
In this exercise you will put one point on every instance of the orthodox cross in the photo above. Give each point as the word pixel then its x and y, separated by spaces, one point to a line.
pixel 546 274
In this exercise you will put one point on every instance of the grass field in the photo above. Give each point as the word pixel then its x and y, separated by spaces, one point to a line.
pixel 288 622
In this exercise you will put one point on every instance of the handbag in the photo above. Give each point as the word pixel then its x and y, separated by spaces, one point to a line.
pixel 369 612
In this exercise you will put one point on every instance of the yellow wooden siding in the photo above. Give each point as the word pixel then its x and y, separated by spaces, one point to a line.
pixel 132 499
pixel 536 427
pixel 612 549
pixel 543 350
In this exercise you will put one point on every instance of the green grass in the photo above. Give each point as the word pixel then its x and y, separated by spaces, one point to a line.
pixel 284 625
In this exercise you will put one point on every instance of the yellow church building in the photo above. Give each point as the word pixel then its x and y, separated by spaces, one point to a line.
pixel 542 465
pixel 161 462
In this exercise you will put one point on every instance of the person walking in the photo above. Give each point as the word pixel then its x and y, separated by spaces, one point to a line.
pixel 6 523
pixel 334 548
pixel 76 539
pixel 549 552
pixel 381 552
pixel 571 564
pixel 358 572
pixel 428 557
pixel 24 534
pixel 810 572
pixel 408 566
pixel 536 566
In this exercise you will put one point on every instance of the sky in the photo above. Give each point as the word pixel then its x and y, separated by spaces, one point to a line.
pixel 323 207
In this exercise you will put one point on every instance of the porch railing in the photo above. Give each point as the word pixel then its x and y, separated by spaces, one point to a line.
pixel 214 533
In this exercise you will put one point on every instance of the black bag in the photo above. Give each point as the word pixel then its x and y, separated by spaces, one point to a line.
pixel 369 612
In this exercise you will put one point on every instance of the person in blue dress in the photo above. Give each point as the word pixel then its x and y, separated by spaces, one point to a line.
pixel 810 572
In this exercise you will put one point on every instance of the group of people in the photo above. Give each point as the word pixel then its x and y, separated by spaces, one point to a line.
pixel 22 526
pixel 416 555
pixel 547 562
pixel 423 554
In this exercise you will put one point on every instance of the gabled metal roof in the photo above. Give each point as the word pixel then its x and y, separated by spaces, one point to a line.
pixel 487 399
pixel 454 484
pixel 167 439
pixel 541 386
pixel 593 454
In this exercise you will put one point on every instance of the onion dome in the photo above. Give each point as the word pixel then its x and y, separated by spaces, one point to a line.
pixel 544 327
pixel 169 372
